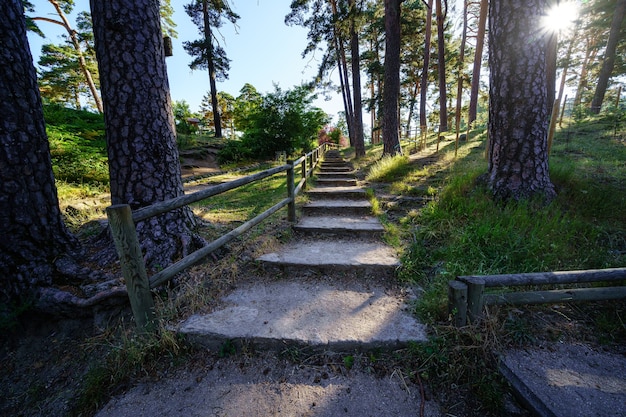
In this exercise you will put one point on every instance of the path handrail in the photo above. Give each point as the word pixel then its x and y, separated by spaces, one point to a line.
pixel 122 221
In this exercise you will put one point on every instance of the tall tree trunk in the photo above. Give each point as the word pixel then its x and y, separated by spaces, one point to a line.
pixel 459 91
pixel 424 82
pixel 141 141
pixel 412 101
pixel 590 56
pixel 609 56
pixel 518 102
pixel 359 139
pixel 478 61
pixel 391 88
pixel 34 240
pixel 441 64
pixel 217 119
pixel 343 69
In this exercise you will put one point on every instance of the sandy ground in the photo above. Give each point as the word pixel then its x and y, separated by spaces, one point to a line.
pixel 270 386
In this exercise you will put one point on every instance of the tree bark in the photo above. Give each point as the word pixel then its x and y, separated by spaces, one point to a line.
pixel 359 140
pixel 459 92
pixel 143 158
pixel 35 242
pixel 478 61
pixel 424 82
pixel 441 65
pixel 391 88
pixel 609 56
pixel 208 36
pixel 518 104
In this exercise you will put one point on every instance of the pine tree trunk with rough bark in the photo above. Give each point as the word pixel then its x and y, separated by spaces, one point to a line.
pixel 359 139
pixel 441 65
pixel 391 88
pixel 424 80
pixel 478 61
pixel 519 111
pixel 144 164
pixel 35 243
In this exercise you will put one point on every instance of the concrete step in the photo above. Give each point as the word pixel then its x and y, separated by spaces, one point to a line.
pixel 342 226
pixel 335 174
pixel 343 168
pixel 332 255
pixel 308 313
pixel 337 207
pixel 337 193
pixel 336 182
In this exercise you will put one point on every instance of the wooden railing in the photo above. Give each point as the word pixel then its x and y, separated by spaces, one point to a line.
pixel 122 221
pixel 467 295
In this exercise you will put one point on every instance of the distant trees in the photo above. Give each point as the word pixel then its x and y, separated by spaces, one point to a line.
pixel 608 62
pixel 61 59
pixel 207 52
pixel 281 121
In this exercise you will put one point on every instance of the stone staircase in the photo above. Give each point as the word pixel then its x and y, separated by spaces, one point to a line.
pixel 333 285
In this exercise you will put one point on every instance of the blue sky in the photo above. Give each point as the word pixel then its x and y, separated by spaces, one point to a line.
pixel 263 51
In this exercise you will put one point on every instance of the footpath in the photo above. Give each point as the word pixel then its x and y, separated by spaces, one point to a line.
pixel 329 293
pixel 330 290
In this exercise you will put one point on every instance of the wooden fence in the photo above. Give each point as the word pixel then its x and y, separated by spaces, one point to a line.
pixel 122 221
pixel 467 295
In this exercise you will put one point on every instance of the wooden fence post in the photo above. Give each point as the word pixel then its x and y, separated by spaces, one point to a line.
pixel 133 268
pixel 291 208
pixel 304 173
pixel 457 302
pixel 475 297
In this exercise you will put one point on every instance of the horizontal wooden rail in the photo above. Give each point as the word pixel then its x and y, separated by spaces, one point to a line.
pixel 122 222
pixel 178 202
pixel 168 273
pixel 467 296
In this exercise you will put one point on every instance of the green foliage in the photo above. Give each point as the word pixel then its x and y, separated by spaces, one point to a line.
pixel 283 121
pixel 77 145
pixel 182 114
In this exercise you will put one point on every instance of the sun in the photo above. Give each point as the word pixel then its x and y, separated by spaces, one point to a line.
pixel 561 17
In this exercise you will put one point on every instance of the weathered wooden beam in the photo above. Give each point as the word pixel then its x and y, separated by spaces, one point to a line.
pixel 457 302
pixel 291 195
pixel 475 292
pixel 558 277
pixel 178 202
pixel 556 296
pixel 133 267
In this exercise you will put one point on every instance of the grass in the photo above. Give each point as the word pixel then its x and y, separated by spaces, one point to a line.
pixel 464 231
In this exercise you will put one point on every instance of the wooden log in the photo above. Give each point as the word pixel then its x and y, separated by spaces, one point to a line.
pixel 558 277
pixel 178 202
pixel 475 292
pixel 168 273
pixel 556 296
pixel 133 267
pixel 457 302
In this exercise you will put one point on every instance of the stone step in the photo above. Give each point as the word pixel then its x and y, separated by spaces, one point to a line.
pixel 337 207
pixel 343 168
pixel 337 193
pixel 343 226
pixel 332 255
pixel 308 313
pixel 336 182
pixel 335 174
